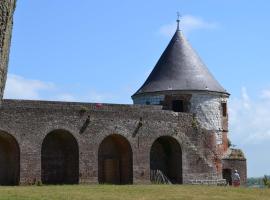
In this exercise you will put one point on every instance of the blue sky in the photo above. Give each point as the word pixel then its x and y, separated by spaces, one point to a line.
pixel 102 51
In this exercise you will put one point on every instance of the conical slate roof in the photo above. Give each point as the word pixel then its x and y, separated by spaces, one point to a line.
pixel 180 68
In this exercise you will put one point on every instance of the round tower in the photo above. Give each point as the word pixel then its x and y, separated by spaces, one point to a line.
pixel 181 82
pixel 7 8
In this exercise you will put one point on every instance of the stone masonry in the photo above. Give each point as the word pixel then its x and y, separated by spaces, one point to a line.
pixel 7 8
pixel 28 122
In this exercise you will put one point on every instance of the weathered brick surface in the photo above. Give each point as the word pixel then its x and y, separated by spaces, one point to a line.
pixel 6 21
pixel 209 112
pixel 234 159
pixel 30 121
pixel 237 164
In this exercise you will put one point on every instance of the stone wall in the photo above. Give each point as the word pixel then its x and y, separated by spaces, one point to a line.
pixel 6 21
pixel 208 110
pixel 237 164
pixel 207 106
pixel 29 122
pixel 210 113
pixel 234 159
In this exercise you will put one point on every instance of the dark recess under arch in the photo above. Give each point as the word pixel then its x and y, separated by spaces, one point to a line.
pixel 115 161
pixel 60 158
pixel 9 160
pixel 166 158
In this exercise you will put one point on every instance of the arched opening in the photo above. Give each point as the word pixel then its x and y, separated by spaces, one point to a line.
pixel 115 161
pixel 9 160
pixel 166 161
pixel 227 175
pixel 60 158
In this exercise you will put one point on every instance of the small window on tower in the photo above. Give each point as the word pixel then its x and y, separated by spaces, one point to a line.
pixel 178 106
pixel 224 109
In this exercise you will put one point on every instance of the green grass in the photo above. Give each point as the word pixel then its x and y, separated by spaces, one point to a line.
pixel 132 192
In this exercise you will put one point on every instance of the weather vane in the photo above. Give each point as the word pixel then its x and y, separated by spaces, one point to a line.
pixel 178 20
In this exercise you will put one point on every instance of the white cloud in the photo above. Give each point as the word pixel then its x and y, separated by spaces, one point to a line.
pixel 265 94
pixel 18 87
pixel 245 99
pixel 66 97
pixel 250 129
pixel 188 23
pixel 250 118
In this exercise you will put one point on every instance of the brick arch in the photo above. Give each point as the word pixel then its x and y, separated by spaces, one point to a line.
pixel 60 158
pixel 166 160
pixel 115 160
pixel 55 127
pixel 9 160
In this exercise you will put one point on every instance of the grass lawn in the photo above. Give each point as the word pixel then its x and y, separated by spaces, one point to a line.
pixel 132 192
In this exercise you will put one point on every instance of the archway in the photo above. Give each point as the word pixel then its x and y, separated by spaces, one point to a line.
pixel 9 160
pixel 60 158
pixel 166 161
pixel 227 175
pixel 115 161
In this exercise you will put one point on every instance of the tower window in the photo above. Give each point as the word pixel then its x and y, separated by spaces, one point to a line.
pixel 178 106
pixel 224 109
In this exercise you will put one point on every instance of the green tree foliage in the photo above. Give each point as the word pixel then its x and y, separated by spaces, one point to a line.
pixel 259 182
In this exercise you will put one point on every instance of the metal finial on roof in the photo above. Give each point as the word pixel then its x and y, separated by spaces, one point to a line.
pixel 178 20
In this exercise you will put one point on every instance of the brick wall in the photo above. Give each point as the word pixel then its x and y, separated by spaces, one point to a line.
pixel 29 122
pixel 237 164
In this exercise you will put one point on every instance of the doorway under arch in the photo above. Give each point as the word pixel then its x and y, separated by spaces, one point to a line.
pixel 227 175
pixel 9 160
pixel 166 161
pixel 115 161
pixel 60 158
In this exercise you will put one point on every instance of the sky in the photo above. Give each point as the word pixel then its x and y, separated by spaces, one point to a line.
pixel 102 51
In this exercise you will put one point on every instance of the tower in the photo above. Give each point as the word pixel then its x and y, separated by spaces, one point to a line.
pixel 181 82
pixel 7 8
